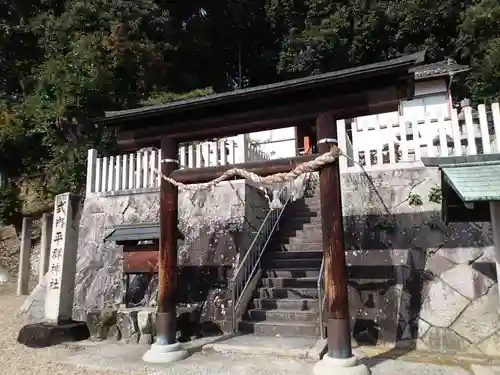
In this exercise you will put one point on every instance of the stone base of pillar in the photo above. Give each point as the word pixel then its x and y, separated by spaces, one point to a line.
pixel 165 353
pixel 42 335
pixel 348 366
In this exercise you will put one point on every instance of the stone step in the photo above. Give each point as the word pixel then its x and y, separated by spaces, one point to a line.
pixel 291 272
pixel 295 220
pixel 276 293
pixel 291 226
pixel 290 282
pixel 272 315
pixel 303 240
pixel 275 255
pixel 292 263
pixel 296 247
pixel 301 212
pixel 293 329
pixel 309 231
pixel 305 304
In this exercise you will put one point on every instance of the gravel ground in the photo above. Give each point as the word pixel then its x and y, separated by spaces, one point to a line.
pixel 16 359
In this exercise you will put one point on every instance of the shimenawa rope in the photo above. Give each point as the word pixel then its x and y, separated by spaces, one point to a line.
pixel 306 167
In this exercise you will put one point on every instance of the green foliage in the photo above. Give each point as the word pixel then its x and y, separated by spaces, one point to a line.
pixel 435 195
pixel 167 97
pixel 415 199
pixel 10 204
pixel 479 44
pixel 63 63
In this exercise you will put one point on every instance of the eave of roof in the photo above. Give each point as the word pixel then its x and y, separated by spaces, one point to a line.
pixel 439 69
pixel 337 77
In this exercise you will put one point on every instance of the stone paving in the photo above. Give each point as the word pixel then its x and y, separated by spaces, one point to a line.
pixel 124 359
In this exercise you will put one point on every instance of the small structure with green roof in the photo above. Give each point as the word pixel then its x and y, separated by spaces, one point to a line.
pixel 471 191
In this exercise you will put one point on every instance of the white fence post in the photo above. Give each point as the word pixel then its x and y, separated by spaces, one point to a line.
pixel 455 130
pixel 138 170
pixel 153 168
pixel 483 125
pixel 191 157
pixel 111 173
pixel 182 157
pixel 104 179
pixel 118 172
pixel 342 143
pixel 495 112
pixel 199 156
pixel 124 168
pixel 145 169
pixel 471 131
pixel 241 154
pixel 131 171
pixel 231 157
pixel 91 170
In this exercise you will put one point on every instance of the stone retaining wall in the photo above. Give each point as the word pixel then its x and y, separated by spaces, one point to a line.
pixel 413 280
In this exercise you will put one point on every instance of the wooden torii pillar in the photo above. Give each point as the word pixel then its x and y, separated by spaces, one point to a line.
pixel 166 348
pixel 339 359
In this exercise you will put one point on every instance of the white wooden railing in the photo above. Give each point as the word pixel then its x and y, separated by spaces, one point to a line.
pixel 387 146
pixel 374 146
pixel 137 170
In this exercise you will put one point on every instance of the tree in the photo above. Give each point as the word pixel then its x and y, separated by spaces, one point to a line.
pixel 478 43
pixel 336 35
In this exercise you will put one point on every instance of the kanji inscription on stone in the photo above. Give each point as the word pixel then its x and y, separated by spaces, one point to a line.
pixel 62 267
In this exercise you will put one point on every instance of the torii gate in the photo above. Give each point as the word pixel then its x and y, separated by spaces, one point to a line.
pixel 323 98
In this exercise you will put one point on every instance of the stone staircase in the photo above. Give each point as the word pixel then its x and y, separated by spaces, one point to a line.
pixel 286 301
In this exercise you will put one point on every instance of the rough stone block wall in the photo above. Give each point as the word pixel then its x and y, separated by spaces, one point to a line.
pixel 413 280
pixel 217 225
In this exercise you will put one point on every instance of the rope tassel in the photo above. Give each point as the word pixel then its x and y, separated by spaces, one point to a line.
pixel 276 202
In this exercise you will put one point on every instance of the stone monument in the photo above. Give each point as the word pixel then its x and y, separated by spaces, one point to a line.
pixel 58 325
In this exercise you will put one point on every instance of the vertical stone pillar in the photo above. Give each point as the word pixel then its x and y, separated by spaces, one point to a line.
pixel 23 275
pixel 47 220
pixel 495 227
pixel 62 266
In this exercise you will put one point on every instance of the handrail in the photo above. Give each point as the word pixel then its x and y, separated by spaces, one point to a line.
pixel 251 261
pixel 321 297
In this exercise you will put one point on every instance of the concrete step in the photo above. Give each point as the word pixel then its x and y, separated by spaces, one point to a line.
pixel 259 315
pixel 274 255
pixel 290 282
pixel 294 329
pixel 305 304
pixel 276 293
pixel 291 272
pixel 292 263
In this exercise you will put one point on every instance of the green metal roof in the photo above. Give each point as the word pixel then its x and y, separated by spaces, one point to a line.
pixel 134 232
pixel 474 182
